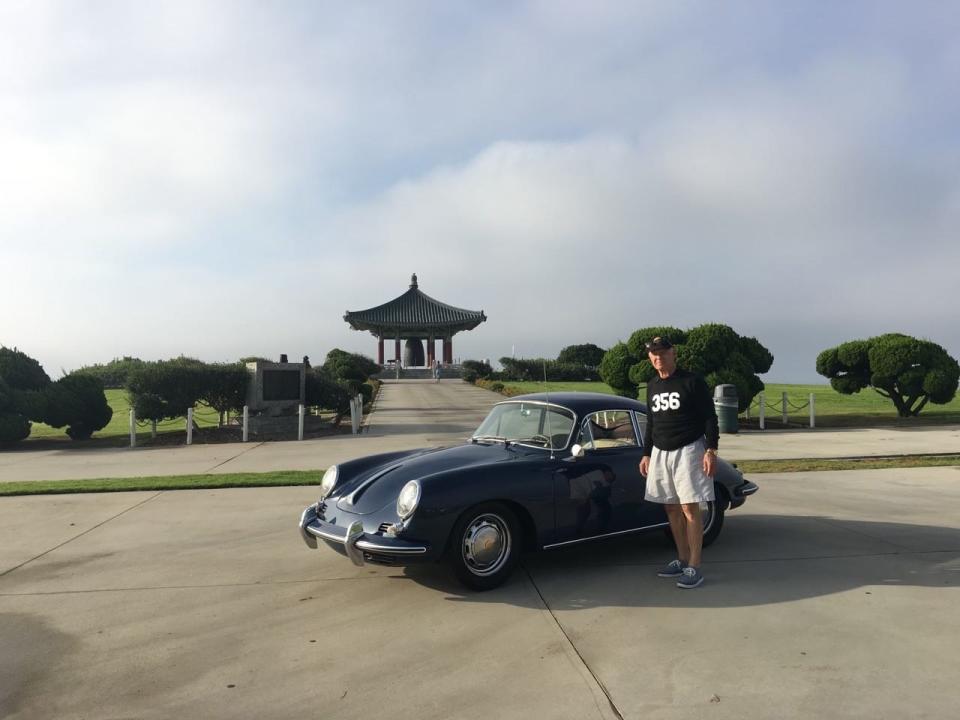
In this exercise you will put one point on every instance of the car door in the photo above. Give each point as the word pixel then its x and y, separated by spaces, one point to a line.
pixel 602 493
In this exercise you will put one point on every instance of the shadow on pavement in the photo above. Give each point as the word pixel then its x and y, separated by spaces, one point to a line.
pixel 758 560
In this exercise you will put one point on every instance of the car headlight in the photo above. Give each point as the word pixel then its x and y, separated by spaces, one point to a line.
pixel 329 482
pixel 408 499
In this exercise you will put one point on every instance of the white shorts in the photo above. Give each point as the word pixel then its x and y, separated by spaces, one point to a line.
pixel 677 476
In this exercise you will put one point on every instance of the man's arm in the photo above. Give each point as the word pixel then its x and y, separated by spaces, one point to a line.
pixel 709 414
pixel 648 430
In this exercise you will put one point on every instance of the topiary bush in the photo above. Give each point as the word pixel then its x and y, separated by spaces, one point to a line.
pixel 907 371
pixel 587 355
pixel 113 374
pixel 323 390
pixel 78 402
pixel 713 350
pixel 166 389
pixel 225 387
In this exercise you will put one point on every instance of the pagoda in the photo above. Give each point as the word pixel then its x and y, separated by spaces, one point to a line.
pixel 415 317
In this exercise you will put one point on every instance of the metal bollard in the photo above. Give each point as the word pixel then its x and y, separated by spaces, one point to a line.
pixel 784 408
pixel 189 426
pixel 763 412
pixel 300 424
pixel 246 423
pixel 133 428
pixel 813 422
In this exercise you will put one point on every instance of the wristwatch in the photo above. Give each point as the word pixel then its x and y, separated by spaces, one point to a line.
pixel 711 451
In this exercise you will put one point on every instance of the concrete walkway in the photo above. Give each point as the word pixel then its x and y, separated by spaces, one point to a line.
pixel 423 413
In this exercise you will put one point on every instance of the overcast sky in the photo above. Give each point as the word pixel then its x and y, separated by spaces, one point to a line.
pixel 226 179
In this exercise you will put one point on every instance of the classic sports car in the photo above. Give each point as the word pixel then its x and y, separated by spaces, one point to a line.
pixel 542 471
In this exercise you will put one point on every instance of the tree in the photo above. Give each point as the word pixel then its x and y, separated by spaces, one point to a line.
pixel 714 350
pixel 14 425
pixel 588 354
pixel 77 401
pixel 475 369
pixel 351 367
pixel 225 387
pixel 22 382
pixel 907 371
pixel 323 390
pixel 113 374
pixel 165 389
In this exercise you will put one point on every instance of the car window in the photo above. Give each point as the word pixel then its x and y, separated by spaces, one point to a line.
pixel 534 424
pixel 641 419
pixel 608 429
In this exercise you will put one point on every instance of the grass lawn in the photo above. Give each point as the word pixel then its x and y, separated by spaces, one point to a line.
pixel 173 482
pixel 832 409
pixel 119 425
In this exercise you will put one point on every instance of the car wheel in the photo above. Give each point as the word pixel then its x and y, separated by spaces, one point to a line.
pixel 485 546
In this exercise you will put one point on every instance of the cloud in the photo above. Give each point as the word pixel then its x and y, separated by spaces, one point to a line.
pixel 223 179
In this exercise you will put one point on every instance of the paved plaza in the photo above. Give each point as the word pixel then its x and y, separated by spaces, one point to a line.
pixel 827 595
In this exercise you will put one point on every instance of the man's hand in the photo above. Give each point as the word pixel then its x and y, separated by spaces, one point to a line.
pixel 644 465
pixel 709 463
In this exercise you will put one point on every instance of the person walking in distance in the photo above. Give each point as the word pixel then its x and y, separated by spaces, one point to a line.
pixel 679 455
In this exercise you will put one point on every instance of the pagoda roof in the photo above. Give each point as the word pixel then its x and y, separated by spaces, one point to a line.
pixel 415 312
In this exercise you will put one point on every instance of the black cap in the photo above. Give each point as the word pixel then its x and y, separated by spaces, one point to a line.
pixel 659 343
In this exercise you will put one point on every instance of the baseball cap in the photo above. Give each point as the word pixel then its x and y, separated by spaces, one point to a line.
pixel 659 343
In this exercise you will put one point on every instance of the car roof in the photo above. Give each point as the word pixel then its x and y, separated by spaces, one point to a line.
pixel 584 402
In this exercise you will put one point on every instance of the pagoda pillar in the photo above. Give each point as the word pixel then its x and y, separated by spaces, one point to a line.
pixel 380 350
pixel 448 351
pixel 396 353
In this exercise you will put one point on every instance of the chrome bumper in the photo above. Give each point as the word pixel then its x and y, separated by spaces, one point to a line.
pixel 355 542
pixel 748 488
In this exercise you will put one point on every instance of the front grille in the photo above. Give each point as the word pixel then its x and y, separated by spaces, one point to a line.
pixel 383 528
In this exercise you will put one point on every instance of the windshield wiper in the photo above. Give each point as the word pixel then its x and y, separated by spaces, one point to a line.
pixel 494 438
pixel 544 442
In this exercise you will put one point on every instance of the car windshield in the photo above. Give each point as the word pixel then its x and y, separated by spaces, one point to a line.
pixel 527 423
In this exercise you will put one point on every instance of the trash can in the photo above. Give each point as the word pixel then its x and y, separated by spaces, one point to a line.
pixel 727 405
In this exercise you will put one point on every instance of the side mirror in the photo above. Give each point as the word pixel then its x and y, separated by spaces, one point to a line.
pixel 577 451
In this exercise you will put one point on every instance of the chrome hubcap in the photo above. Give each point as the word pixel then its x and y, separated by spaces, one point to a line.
pixel 486 544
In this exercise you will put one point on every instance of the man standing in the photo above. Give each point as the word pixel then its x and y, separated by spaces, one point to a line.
pixel 679 455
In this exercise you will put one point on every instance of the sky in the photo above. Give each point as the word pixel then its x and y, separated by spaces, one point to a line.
pixel 225 179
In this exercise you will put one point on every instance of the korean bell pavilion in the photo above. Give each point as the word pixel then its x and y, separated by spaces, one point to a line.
pixel 415 318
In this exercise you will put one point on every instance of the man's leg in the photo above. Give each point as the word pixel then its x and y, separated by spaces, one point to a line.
pixel 693 525
pixel 678 527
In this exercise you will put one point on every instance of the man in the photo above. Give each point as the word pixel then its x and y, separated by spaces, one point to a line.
pixel 680 455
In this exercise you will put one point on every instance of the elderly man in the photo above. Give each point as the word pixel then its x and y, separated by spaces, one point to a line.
pixel 680 455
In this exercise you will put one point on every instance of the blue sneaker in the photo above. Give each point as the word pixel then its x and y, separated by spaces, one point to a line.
pixel 690 578
pixel 672 569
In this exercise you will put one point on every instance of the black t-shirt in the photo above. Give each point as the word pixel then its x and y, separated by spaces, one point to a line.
pixel 679 411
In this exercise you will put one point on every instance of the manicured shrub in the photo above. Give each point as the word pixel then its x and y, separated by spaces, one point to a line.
pixel 323 390
pixel 225 387
pixel 113 374
pixel 14 427
pixel 166 389
pixel 714 350
pixel 20 371
pixel 588 355
pixel 351 367
pixel 907 371
pixel 537 368
pixel 78 402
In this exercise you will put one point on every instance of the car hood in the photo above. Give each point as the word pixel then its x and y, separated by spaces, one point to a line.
pixel 380 486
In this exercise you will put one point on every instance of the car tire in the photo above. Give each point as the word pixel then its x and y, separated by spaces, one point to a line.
pixel 485 546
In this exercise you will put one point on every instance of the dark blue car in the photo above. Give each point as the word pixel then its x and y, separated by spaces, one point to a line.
pixel 542 471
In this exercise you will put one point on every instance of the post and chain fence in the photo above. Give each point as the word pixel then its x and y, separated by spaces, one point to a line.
pixel 760 407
